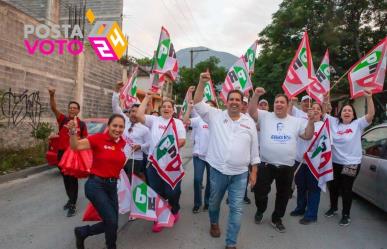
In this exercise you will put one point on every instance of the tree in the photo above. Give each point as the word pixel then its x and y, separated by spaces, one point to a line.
pixel 189 77
pixel 348 28
pixel 144 61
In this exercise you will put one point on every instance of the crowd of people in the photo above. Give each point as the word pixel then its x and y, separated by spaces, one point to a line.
pixel 244 145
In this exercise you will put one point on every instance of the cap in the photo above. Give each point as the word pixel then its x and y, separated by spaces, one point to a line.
pixel 306 97
pixel 246 100
pixel 263 100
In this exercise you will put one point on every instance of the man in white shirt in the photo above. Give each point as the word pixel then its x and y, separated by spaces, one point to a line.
pixel 137 138
pixel 232 134
pixel 278 134
pixel 263 104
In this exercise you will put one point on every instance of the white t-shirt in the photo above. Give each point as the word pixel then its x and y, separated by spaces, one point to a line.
pixel 303 145
pixel 279 137
pixel 233 145
pixel 201 135
pixel 157 126
pixel 346 147
pixel 139 133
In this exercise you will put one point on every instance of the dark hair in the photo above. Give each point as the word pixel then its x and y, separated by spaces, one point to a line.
pixel 282 95
pixel 235 91
pixel 212 102
pixel 353 110
pixel 75 103
pixel 168 100
pixel 114 116
pixel 135 105
pixel 321 108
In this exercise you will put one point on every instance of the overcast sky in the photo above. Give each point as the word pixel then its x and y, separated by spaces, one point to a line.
pixel 223 25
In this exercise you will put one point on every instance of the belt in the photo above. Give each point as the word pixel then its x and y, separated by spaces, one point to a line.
pixel 106 179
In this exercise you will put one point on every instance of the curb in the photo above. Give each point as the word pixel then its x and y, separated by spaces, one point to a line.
pixel 25 173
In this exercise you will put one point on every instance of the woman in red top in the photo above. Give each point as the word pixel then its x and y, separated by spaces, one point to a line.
pixel 101 187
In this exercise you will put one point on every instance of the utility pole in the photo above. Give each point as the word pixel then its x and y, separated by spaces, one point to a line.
pixel 192 51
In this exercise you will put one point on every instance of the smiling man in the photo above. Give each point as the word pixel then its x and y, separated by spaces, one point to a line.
pixel 232 134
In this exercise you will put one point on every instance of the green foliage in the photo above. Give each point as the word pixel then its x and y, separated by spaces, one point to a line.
pixel 144 61
pixel 347 28
pixel 13 160
pixel 42 132
pixel 189 77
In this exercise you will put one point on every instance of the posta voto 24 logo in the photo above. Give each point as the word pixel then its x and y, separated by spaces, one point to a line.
pixel 105 37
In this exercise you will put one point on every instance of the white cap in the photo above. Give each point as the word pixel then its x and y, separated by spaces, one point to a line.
pixel 306 97
pixel 263 100
pixel 245 99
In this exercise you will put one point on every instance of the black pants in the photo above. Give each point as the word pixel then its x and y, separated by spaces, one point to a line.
pixel 103 195
pixel 341 184
pixel 70 183
pixel 283 176
pixel 139 168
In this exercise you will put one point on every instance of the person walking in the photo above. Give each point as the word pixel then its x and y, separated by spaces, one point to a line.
pixel 70 182
pixel 346 131
pixel 232 134
pixel 101 186
pixel 157 126
pixel 278 134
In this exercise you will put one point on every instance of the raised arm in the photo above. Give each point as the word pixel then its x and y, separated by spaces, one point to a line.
pixel 325 104
pixel 370 106
pixel 51 92
pixel 116 100
pixel 253 105
pixel 309 130
pixel 75 143
pixel 204 77
pixel 191 89
pixel 142 108
pixel 292 103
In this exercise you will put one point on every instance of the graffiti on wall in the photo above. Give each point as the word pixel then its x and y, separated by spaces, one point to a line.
pixel 25 106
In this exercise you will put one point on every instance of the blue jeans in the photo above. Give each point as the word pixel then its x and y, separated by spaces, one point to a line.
pixel 103 195
pixel 308 193
pixel 199 167
pixel 164 190
pixel 235 184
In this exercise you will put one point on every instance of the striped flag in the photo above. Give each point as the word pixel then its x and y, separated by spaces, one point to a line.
pixel 250 56
pixel 128 93
pixel 322 84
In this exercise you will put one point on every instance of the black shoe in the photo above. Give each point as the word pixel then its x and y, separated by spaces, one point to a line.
pixel 296 213
pixel 195 210
pixel 71 210
pixel 65 207
pixel 246 200
pixel 330 213
pixel 205 208
pixel 345 220
pixel 79 239
pixel 258 217
pixel 304 221
pixel 278 226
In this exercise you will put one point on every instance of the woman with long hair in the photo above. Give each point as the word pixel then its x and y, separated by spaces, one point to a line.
pixel 346 131
pixel 101 186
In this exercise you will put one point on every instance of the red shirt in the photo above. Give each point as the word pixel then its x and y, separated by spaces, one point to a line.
pixel 108 155
pixel 64 138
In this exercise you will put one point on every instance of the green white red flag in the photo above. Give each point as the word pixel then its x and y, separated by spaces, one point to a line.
pixel 165 61
pixel 322 84
pixel 237 78
pixel 301 72
pixel 209 92
pixel 148 205
pixel 166 158
pixel 128 93
pixel 184 107
pixel 318 157
pixel 250 56
pixel 369 72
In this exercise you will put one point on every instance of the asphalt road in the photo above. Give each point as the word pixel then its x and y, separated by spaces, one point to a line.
pixel 31 217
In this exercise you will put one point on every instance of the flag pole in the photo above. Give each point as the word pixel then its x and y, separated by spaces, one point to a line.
pixel 337 81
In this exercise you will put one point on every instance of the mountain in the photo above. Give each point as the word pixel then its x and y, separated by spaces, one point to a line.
pixel 184 57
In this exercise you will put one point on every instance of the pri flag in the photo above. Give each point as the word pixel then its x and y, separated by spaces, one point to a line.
pixel 128 93
pixel 165 61
pixel 147 204
pixel 237 78
pixel 301 72
pixel 250 56
pixel 318 157
pixel 123 192
pixel 322 84
pixel 166 158
pixel 209 92
pixel 184 107
pixel 369 72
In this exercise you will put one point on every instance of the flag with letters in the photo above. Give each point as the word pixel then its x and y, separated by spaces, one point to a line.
pixel 369 72
pixel 128 93
pixel 166 158
pixel 321 86
pixel 237 78
pixel 148 205
pixel 318 157
pixel 250 56
pixel 209 92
